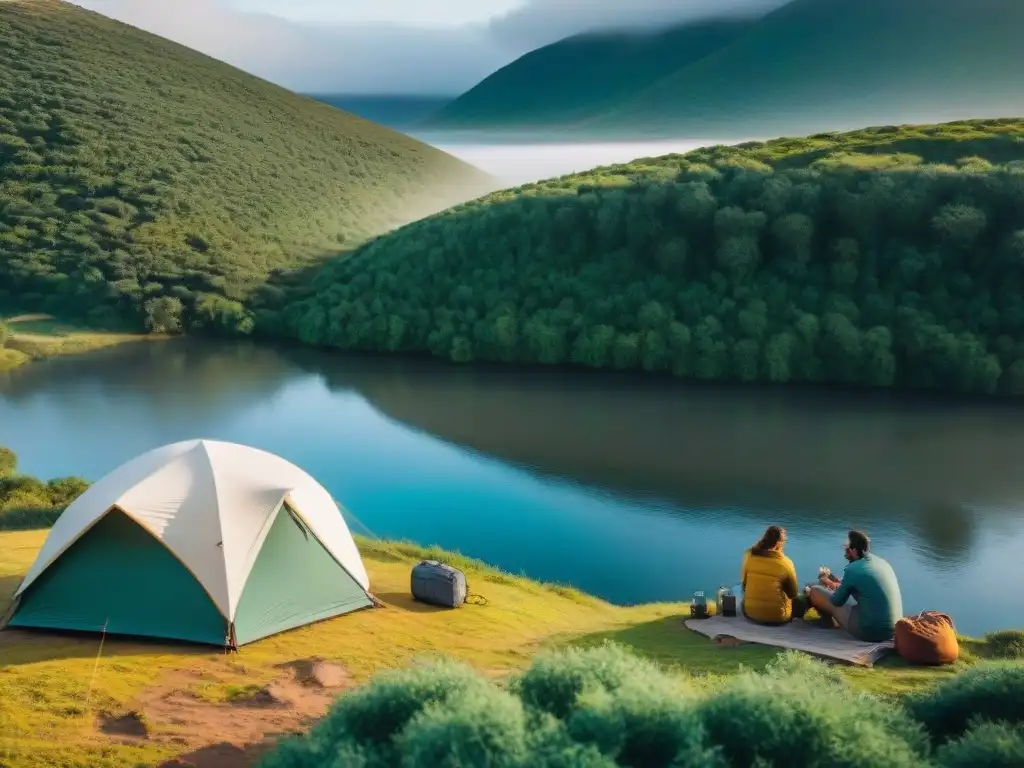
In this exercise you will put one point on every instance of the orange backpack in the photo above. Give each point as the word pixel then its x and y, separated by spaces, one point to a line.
pixel 928 638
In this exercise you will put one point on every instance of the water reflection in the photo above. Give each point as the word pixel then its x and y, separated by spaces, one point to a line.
pixel 630 488
pixel 798 453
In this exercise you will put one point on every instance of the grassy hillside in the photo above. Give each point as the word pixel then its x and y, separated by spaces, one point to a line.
pixel 142 181
pixel 835 64
pixel 579 76
pixel 890 257
pixel 72 701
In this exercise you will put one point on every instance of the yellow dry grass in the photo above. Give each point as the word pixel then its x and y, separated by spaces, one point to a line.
pixel 49 694
pixel 37 337
pixel 53 688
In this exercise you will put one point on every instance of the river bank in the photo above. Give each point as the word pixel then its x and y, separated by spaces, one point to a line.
pixel 41 337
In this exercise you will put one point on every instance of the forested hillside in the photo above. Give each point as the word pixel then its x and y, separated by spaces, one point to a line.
pixel 887 257
pixel 143 182
pixel 579 76
pixel 837 64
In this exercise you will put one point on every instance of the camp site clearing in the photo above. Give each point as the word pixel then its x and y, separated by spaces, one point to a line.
pixel 258 608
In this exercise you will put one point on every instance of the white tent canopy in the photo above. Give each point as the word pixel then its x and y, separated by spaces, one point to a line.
pixel 212 505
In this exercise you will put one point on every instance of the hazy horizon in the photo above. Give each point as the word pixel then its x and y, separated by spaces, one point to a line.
pixel 515 164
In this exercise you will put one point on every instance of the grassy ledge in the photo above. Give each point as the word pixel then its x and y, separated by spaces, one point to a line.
pixel 39 337
pixel 59 696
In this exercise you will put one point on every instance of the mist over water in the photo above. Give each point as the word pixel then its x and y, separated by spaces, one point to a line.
pixel 513 164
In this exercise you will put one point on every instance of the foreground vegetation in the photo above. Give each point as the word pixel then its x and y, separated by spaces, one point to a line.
pixel 604 707
pixel 889 257
pixel 54 689
pixel 158 192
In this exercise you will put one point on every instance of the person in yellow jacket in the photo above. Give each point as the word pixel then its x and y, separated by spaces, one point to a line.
pixel 771 594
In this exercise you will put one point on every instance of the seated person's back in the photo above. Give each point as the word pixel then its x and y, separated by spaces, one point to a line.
pixel 871 581
pixel 769 580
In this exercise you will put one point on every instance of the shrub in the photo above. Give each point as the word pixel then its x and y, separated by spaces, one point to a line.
pixel 483 727
pixel 1007 644
pixel 8 462
pixel 619 710
pixel 993 692
pixel 644 723
pixel 992 745
pixel 556 680
pixel 375 716
pixel 26 502
pixel 798 713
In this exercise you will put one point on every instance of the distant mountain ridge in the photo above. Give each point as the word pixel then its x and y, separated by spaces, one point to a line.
pixel 833 64
pixel 574 78
pixel 811 65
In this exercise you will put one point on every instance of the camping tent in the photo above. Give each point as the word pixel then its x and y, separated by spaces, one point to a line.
pixel 200 541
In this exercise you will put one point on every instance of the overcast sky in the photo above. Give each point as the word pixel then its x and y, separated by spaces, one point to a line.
pixel 391 46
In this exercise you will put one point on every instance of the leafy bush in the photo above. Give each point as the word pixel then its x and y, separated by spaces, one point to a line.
pixel 8 462
pixel 992 692
pixel 1006 644
pixel 555 681
pixel 644 723
pixel 992 745
pixel 798 713
pixel 614 709
pixel 26 502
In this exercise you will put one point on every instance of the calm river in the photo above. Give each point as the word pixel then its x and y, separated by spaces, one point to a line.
pixel 632 489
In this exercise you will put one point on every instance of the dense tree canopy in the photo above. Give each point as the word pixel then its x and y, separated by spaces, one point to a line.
pixel 892 257
pixel 143 181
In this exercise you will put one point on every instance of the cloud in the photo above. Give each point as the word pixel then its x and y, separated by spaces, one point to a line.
pixel 349 58
pixel 351 54
pixel 539 22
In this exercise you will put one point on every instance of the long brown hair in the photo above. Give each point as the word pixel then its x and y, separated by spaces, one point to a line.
pixel 773 536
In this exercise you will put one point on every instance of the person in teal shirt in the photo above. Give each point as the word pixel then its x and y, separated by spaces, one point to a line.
pixel 867 602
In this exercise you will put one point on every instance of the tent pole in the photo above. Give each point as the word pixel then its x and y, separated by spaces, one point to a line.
pixel 9 613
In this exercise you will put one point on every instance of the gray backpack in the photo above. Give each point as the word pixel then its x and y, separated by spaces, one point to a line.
pixel 439 584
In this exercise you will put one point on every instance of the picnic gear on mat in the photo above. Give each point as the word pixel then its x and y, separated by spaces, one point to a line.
pixel 928 638
pixel 726 601
pixel 796 635
pixel 699 606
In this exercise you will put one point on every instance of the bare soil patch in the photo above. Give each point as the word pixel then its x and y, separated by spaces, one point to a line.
pixel 233 733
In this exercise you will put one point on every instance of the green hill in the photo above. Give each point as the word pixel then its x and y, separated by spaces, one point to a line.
pixel 889 257
pixel 835 64
pixel 142 181
pixel 580 75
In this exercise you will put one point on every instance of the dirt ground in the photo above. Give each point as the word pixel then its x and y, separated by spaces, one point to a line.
pixel 226 734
